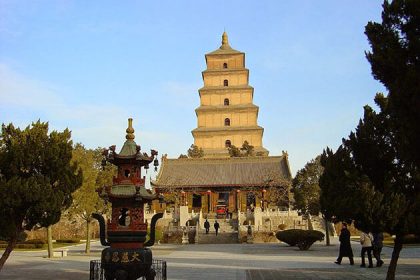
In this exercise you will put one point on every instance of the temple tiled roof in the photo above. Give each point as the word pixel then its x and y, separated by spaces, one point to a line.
pixel 214 172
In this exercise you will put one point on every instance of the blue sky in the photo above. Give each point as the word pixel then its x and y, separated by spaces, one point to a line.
pixel 89 65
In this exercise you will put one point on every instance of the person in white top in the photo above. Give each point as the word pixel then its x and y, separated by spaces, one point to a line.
pixel 366 241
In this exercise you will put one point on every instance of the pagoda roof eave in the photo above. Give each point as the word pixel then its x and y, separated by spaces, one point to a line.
pixel 137 158
pixel 229 88
pixel 221 52
pixel 223 172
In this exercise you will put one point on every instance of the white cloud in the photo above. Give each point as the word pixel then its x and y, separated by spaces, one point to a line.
pixel 24 100
pixel 17 90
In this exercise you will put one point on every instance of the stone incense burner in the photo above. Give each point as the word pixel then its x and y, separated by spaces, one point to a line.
pixel 127 256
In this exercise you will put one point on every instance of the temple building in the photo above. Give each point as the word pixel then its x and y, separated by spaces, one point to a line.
pixel 217 183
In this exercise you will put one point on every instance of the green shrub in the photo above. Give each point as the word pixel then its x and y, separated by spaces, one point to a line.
pixel 411 239
pixel 74 240
pixel 299 237
pixel 282 226
pixel 24 245
pixel 35 241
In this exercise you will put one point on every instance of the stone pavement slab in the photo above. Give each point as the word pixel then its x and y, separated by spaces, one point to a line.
pixel 221 261
pixel 324 273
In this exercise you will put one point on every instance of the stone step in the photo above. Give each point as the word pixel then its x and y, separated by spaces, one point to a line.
pixel 228 230
pixel 226 225
pixel 221 238
pixel 221 229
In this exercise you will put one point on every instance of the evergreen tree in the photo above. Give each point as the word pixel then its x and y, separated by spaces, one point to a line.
pixel 365 181
pixel 234 151
pixel 395 62
pixel 37 179
pixel 86 200
pixel 305 188
pixel 195 152
pixel 247 149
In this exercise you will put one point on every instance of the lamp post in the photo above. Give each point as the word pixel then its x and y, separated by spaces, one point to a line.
pixel 208 201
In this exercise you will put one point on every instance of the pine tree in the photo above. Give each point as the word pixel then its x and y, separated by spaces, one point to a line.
pixel 395 62
pixel 37 179
pixel 305 187
pixel 365 181
pixel 195 152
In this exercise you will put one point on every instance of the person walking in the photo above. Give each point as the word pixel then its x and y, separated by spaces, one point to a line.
pixel 378 243
pixel 345 246
pixel 207 226
pixel 366 241
pixel 216 226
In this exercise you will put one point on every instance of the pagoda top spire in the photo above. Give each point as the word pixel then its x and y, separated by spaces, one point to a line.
pixel 130 130
pixel 225 41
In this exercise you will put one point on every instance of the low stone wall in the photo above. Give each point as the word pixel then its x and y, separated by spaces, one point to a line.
pixel 172 237
pixel 257 236
pixel 265 237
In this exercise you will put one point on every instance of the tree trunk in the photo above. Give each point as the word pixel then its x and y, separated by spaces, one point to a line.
pixel 327 233
pixel 49 238
pixel 10 246
pixel 394 259
pixel 87 249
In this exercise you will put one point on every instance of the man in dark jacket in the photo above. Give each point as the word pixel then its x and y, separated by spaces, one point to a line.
pixel 207 226
pixel 378 243
pixel 216 226
pixel 345 246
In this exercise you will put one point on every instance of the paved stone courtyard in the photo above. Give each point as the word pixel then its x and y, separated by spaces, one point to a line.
pixel 221 261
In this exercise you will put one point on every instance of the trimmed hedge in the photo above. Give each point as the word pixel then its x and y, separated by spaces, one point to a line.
pixel 299 237
pixel 24 246
pixel 411 239
pixel 74 240
pixel 282 226
pixel 35 241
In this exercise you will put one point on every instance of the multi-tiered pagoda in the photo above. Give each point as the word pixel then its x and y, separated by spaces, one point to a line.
pixel 226 115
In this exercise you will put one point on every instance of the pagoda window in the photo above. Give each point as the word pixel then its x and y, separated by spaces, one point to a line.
pixel 127 173
pixel 225 65
pixel 226 102
pixel 225 83
pixel 228 143
pixel 227 122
